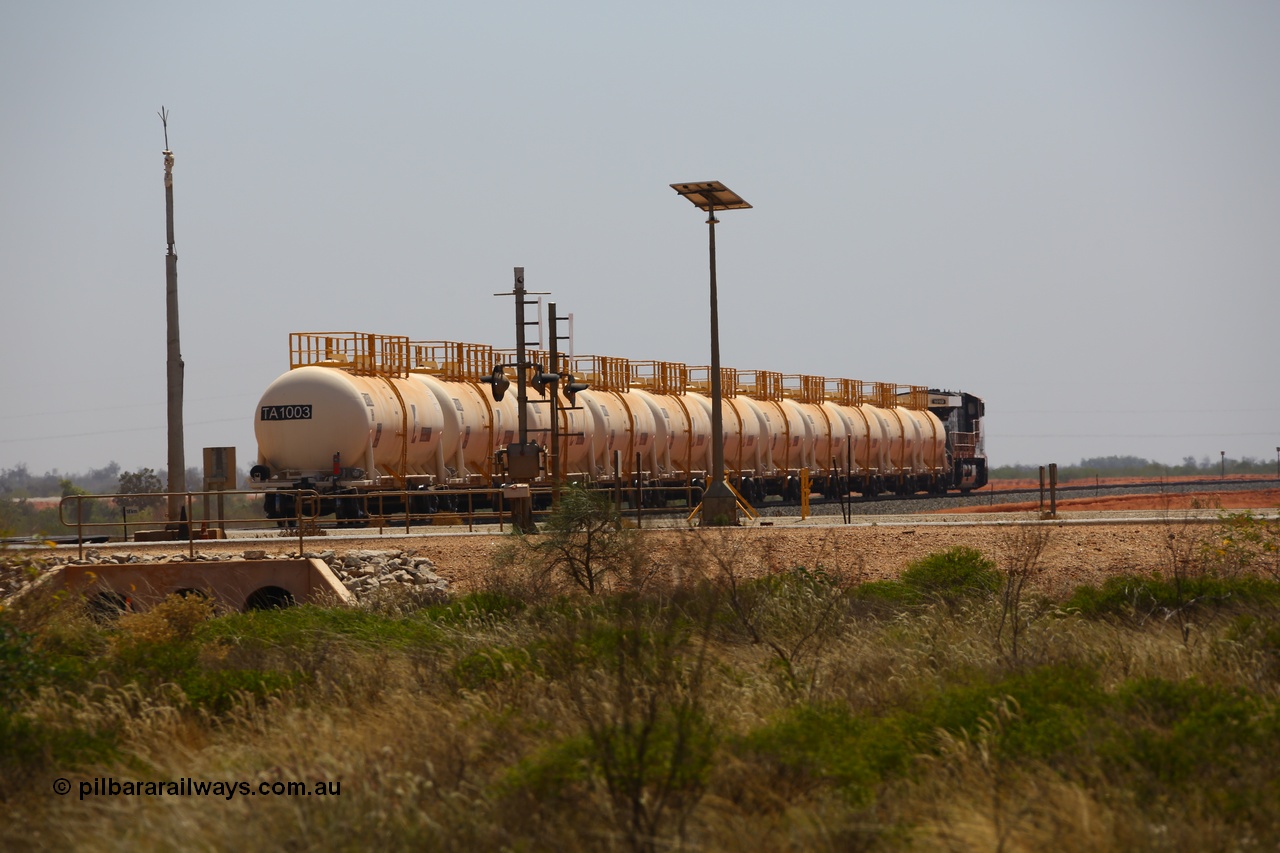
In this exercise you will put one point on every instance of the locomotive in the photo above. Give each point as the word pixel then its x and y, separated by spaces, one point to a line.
pixel 359 415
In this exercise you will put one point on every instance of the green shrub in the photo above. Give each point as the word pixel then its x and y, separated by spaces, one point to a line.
pixel 22 668
pixel 476 608
pixel 827 745
pixel 495 663
pixel 29 747
pixel 1141 596
pixel 1259 637
pixel 1213 744
pixel 1050 707
pixel 955 573
pixel 583 543
pixel 551 773
pixel 305 626
pixel 220 690
pixel 950 575
pixel 1243 543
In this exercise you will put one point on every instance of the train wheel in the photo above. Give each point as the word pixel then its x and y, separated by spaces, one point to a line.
pixel 349 512
pixel 282 508
pixel 424 504
pixel 791 489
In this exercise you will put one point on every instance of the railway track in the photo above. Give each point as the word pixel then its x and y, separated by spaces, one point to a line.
pixel 997 495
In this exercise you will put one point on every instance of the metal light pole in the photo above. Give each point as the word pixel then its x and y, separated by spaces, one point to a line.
pixel 719 504
pixel 174 369
pixel 1224 463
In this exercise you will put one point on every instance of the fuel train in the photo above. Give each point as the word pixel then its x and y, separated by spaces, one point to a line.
pixel 361 415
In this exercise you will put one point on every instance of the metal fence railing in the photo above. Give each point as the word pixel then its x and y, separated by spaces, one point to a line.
pixel 196 524
pixel 299 511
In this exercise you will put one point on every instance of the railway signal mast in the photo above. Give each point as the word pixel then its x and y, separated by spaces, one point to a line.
pixel 523 458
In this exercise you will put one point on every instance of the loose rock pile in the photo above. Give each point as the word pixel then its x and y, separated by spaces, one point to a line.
pixel 362 572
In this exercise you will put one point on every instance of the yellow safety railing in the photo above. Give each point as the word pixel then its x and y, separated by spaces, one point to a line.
pixel 760 384
pixel 804 388
pixel 700 380
pixel 453 361
pixel 660 377
pixel 357 352
pixel 601 372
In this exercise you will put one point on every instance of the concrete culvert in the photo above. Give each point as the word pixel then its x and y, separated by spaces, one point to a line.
pixel 269 598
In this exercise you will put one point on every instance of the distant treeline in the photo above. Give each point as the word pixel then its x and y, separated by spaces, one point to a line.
pixel 18 482
pixel 20 515
pixel 1136 466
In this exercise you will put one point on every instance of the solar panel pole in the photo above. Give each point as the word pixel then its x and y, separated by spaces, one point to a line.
pixel 719 503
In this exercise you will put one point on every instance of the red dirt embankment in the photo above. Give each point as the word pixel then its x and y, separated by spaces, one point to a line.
pixel 1180 501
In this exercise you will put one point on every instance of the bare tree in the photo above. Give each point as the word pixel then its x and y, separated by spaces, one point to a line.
pixel 1021 548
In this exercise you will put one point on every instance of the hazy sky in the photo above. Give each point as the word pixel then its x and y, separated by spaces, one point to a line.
pixel 1071 209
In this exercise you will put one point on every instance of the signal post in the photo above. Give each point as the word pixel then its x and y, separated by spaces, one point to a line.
pixel 523 459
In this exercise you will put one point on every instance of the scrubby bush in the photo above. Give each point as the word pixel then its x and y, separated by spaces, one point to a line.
pixel 950 576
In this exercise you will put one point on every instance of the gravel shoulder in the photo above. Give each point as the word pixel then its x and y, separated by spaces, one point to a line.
pixel 1084 546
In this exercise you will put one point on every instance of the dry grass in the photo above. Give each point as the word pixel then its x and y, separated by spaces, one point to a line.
pixel 722 700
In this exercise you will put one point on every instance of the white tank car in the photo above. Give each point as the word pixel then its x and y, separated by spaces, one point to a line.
pixel 314 418
pixel 315 421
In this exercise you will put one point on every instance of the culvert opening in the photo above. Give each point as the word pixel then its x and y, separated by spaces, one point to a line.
pixel 107 606
pixel 269 598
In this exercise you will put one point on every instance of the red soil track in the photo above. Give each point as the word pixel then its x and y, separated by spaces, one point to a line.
pixel 1154 500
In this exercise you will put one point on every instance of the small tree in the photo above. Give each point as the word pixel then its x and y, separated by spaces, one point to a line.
pixel 582 541
pixel 144 484
pixel 636 670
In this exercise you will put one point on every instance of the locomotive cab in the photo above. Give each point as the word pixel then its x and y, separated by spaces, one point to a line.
pixel 961 413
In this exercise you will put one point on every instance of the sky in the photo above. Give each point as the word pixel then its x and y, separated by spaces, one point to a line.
pixel 1070 209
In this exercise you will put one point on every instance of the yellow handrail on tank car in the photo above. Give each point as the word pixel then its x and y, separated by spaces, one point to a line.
pixel 700 380
pixel 357 352
pixel 453 361
pixel 760 384
pixel 804 388
pixel 660 377
pixel 914 397
pixel 842 392
pixel 602 372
